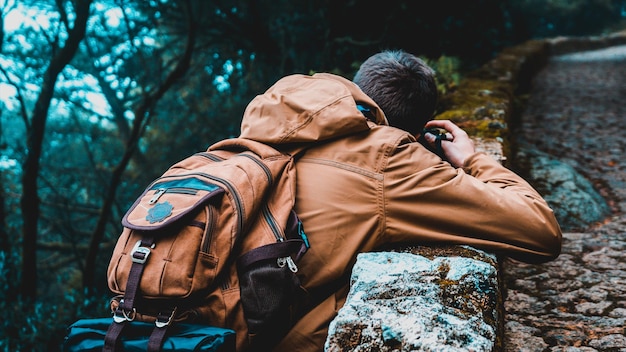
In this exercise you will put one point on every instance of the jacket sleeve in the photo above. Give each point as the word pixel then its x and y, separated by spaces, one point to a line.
pixel 484 205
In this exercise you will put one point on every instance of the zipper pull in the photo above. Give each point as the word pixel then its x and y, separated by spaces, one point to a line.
pixel 157 195
pixel 290 263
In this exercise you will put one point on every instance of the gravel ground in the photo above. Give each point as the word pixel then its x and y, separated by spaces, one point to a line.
pixel 576 112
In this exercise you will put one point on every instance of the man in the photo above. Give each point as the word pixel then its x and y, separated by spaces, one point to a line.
pixel 362 185
pixel 402 85
pixel 405 88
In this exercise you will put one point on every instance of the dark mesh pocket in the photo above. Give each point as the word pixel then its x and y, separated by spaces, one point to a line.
pixel 269 289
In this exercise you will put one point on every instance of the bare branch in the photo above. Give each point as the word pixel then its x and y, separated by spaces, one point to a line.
pixel 20 98
pixel 142 117
pixel 29 201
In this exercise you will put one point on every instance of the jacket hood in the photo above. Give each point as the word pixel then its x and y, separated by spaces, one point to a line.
pixel 300 109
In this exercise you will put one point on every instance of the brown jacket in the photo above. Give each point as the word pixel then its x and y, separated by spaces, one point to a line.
pixel 364 184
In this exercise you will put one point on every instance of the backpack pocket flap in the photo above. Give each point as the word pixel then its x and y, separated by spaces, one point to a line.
pixel 167 200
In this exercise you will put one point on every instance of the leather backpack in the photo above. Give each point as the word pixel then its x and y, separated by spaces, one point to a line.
pixel 213 241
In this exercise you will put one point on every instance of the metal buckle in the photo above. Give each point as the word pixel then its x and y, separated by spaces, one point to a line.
pixel 160 323
pixel 125 316
pixel 141 250
pixel 118 318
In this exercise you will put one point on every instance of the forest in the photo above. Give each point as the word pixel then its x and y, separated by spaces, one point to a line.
pixel 99 97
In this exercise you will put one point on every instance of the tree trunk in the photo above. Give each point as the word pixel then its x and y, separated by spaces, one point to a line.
pixel 29 201
pixel 5 244
pixel 141 112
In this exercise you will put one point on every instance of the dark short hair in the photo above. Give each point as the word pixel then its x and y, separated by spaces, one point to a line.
pixel 403 85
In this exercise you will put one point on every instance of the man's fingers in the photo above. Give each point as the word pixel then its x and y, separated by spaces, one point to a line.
pixel 452 129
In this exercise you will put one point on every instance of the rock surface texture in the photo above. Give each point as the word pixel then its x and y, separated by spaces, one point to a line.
pixel 576 114
pixel 408 302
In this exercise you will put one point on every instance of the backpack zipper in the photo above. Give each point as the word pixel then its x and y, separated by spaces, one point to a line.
pixel 175 180
pixel 225 284
pixel 210 219
pixel 210 156
pixel 266 213
pixel 177 190
pixel 270 181
pixel 235 195
pixel 271 221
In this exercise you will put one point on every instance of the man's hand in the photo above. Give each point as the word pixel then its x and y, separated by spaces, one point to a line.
pixel 457 146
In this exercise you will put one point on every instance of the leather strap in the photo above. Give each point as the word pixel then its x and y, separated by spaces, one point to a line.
pixel 271 251
pixel 125 312
pixel 163 322
pixel 111 339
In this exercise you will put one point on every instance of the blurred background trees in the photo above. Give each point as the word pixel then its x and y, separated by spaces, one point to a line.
pixel 98 97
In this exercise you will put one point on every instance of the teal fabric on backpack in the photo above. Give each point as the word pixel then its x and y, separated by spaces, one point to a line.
pixel 88 335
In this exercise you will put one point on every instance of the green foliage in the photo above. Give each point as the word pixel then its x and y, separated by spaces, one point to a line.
pixel 40 326
pixel 448 72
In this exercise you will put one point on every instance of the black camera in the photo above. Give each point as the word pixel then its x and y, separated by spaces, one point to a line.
pixel 437 132
pixel 440 135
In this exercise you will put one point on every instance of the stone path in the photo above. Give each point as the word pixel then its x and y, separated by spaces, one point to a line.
pixel 577 113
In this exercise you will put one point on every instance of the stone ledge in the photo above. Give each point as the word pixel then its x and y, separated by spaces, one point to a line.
pixel 449 298
pixel 417 300
pixel 566 45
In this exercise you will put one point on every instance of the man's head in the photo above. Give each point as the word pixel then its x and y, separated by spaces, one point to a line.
pixel 403 85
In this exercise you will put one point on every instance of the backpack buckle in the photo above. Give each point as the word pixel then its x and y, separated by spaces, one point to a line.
pixel 164 320
pixel 121 315
pixel 139 254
